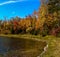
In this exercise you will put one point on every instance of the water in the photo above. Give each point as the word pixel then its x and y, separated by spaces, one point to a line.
pixel 18 46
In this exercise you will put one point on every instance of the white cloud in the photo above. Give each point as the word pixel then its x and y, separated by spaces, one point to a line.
pixel 9 2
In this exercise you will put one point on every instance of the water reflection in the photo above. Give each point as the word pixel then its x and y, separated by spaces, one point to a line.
pixel 22 46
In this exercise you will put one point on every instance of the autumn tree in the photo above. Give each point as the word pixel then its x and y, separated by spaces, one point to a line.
pixel 53 5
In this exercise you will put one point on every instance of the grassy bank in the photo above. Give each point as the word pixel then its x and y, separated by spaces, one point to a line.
pixel 53 43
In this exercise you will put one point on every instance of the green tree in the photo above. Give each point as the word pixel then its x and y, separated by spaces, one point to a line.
pixel 53 5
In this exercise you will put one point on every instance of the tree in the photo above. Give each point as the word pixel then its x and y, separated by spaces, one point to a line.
pixel 43 11
pixel 53 5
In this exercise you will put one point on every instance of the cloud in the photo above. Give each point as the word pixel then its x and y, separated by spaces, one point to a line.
pixel 9 2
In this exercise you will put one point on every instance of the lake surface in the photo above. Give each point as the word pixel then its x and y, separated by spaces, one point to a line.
pixel 20 47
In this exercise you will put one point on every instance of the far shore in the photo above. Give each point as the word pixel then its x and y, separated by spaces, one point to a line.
pixel 24 36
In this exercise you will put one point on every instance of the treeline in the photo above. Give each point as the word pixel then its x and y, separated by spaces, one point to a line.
pixel 46 21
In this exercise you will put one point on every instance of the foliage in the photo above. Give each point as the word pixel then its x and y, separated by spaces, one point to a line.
pixel 45 21
pixel 53 5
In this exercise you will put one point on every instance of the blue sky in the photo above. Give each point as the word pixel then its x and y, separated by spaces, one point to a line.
pixel 21 8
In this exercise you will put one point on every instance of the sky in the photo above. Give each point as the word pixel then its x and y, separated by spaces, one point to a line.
pixel 21 8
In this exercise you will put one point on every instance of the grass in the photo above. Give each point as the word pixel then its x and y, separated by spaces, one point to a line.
pixel 53 43
pixel 54 46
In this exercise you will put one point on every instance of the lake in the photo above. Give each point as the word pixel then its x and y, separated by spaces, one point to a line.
pixel 20 47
